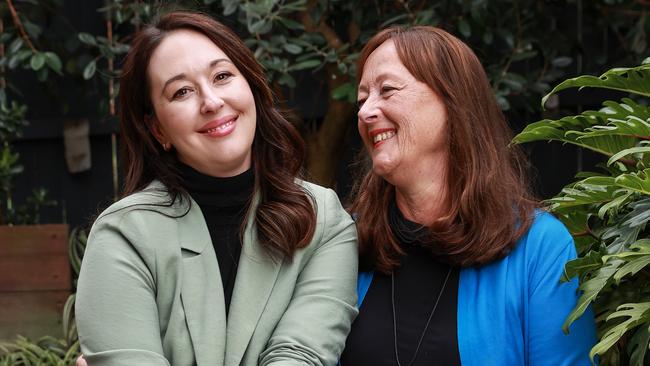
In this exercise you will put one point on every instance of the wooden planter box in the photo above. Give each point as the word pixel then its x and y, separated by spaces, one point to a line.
pixel 34 280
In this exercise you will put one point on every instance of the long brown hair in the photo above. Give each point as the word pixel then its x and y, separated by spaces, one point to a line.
pixel 490 205
pixel 285 215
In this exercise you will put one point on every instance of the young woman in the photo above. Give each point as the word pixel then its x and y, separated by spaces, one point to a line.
pixel 466 268
pixel 217 254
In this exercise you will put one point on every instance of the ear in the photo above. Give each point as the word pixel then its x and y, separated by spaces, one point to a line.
pixel 154 125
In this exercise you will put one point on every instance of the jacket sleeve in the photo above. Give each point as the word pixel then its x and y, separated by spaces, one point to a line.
pixel 551 301
pixel 116 313
pixel 314 327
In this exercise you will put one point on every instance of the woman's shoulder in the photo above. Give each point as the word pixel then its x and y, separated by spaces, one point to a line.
pixel 153 198
pixel 545 242
pixel 331 217
pixel 546 229
pixel 326 200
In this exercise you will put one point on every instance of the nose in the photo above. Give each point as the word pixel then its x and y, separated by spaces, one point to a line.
pixel 210 102
pixel 368 111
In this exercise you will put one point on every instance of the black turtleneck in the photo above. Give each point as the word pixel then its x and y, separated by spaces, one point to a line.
pixel 224 202
pixel 418 281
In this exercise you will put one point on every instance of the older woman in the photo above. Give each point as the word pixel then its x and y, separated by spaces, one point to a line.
pixel 217 254
pixel 466 268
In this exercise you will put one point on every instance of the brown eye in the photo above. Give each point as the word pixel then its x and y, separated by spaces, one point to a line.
pixel 222 76
pixel 180 93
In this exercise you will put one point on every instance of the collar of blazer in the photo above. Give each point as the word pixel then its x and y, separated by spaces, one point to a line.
pixel 217 340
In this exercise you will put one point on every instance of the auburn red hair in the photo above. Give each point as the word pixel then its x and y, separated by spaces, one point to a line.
pixel 490 205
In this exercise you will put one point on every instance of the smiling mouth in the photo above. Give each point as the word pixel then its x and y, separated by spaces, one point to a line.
pixel 220 128
pixel 378 138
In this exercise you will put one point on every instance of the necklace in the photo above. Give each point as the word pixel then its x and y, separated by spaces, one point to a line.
pixel 433 310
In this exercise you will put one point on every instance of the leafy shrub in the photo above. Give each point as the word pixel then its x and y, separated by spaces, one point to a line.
pixel 608 212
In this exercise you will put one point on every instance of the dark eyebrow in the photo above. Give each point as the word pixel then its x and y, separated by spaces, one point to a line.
pixel 182 76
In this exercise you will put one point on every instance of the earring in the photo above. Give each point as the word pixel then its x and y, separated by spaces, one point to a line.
pixel 167 146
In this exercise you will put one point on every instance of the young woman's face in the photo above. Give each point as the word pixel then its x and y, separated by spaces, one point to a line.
pixel 203 106
pixel 402 121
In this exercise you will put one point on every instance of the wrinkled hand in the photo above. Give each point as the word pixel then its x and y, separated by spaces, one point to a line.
pixel 81 361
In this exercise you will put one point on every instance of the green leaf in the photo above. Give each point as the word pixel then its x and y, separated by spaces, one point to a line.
pixel 592 190
pixel 288 80
pixel 636 314
pixel 53 61
pixel 632 267
pixel 580 266
pixel 291 24
pixel 590 289
pixel 345 91
pixel 89 70
pixel 229 6
pixel 634 80
pixel 613 205
pixel 525 55
pixel 37 61
pixel 639 182
pixel 562 61
pixel 607 131
pixel 626 152
pixel 87 39
pixel 464 28
pixel 15 45
pixel 309 64
pixel 638 345
pixel 292 48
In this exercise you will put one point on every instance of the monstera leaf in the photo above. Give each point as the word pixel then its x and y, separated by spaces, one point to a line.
pixel 634 80
pixel 634 315
pixel 608 213
pixel 617 126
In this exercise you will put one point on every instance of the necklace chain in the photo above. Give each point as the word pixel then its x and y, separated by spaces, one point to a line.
pixel 433 310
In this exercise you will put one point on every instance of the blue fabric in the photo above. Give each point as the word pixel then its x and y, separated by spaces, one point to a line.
pixel 511 311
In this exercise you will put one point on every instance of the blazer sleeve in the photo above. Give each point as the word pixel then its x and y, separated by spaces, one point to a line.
pixel 314 327
pixel 116 313
pixel 551 301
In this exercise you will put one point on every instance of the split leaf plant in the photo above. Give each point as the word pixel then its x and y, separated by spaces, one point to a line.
pixel 608 212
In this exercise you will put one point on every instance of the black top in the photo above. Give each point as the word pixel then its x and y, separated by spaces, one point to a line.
pixel 224 202
pixel 418 282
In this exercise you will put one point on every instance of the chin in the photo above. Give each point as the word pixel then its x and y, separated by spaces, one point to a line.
pixel 381 170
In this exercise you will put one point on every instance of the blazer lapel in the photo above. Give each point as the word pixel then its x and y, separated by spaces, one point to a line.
pixel 202 290
pixel 256 276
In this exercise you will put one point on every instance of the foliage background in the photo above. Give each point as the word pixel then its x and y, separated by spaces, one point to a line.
pixel 309 48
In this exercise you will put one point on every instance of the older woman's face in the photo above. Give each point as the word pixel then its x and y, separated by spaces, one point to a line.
pixel 203 105
pixel 402 122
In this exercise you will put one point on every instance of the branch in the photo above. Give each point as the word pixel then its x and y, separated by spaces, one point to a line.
pixel 325 142
pixel 19 25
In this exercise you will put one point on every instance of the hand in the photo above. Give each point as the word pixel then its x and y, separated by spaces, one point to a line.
pixel 81 361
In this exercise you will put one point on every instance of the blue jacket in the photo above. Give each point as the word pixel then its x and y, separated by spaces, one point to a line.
pixel 511 311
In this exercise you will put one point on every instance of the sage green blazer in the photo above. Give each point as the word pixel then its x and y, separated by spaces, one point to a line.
pixel 150 292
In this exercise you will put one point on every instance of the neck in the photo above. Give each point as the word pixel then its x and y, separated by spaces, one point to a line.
pixel 423 198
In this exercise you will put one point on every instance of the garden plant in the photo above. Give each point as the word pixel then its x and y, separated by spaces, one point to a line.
pixel 608 211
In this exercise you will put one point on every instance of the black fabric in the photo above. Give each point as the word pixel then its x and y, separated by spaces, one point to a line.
pixel 224 202
pixel 417 283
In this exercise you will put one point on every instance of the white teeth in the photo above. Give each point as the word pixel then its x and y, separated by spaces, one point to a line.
pixel 383 136
pixel 221 127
